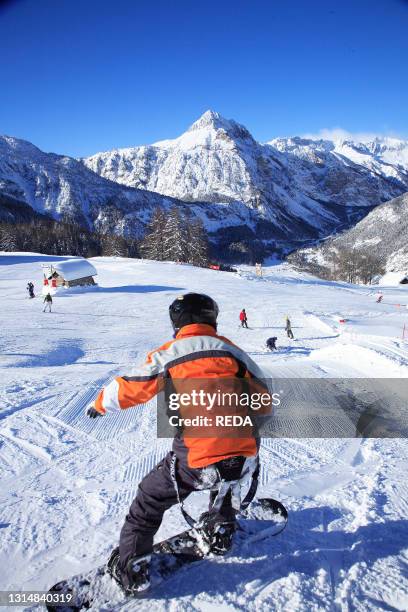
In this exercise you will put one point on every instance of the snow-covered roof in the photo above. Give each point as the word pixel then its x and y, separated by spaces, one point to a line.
pixel 392 278
pixel 72 269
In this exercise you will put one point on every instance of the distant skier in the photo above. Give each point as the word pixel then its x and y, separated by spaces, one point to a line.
pixel 288 328
pixel 218 464
pixel 47 302
pixel 243 318
pixel 379 298
pixel 271 343
pixel 30 289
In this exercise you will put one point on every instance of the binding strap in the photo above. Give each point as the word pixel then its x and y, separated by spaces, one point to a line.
pixel 222 488
pixel 173 474
pixel 253 487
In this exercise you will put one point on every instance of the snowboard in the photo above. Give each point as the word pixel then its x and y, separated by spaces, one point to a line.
pixel 264 518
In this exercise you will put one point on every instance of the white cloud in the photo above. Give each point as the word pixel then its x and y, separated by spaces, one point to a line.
pixel 338 133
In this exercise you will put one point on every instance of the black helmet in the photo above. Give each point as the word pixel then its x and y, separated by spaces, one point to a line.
pixel 193 308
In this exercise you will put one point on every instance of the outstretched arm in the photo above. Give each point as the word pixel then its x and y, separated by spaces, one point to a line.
pixel 127 391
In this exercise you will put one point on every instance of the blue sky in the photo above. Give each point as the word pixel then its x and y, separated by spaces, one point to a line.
pixel 81 76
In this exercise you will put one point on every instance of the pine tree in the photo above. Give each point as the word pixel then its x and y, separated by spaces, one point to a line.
pixel 152 245
pixel 197 244
pixel 176 239
pixel 174 236
pixel 114 246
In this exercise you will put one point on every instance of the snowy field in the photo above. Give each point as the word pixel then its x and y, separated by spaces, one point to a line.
pixel 67 481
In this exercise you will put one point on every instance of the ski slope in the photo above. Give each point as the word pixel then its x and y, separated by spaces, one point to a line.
pixel 67 481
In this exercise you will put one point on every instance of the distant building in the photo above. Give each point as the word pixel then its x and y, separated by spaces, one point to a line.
pixel 69 273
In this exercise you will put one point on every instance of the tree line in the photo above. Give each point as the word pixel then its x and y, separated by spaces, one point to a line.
pixel 61 238
pixel 348 264
pixel 170 236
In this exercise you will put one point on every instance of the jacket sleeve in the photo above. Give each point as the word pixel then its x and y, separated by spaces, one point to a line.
pixel 127 391
pixel 124 392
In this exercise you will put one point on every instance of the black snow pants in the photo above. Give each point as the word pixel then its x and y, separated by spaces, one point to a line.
pixel 155 495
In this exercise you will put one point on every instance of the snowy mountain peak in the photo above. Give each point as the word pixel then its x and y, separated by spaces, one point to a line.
pixel 211 119
pixel 214 121
pixel 295 188
pixel 299 145
pixel 10 145
pixel 210 130
pixel 394 150
pixel 301 186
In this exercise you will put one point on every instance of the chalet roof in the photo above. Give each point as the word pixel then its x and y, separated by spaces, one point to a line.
pixel 72 269
pixel 392 278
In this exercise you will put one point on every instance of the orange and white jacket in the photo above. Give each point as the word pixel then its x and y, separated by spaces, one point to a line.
pixel 196 352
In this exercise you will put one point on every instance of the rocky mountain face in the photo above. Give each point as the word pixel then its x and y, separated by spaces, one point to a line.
pixel 382 232
pixel 64 188
pixel 282 194
pixel 300 189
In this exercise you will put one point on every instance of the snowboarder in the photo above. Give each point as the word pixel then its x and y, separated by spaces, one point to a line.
pixel 195 463
pixel 379 298
pixel 243 318
pixel 288 328
pixel 30 289
pixel 271 343
pixel 47 302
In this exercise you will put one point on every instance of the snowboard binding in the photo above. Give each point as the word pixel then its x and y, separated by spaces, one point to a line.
pixel 217 533
pixel 136 578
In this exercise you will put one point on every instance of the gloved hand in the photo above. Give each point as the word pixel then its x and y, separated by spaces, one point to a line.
pixel 92 413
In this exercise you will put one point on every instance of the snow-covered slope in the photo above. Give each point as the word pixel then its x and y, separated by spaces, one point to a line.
pixel 383 157
pixel 305 188
pixel 383 231
pixel 283 193
pixel 204 163
pixel 64 188
pixel 67 481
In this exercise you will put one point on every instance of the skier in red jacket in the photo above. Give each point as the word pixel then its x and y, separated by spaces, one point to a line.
pixel 243 318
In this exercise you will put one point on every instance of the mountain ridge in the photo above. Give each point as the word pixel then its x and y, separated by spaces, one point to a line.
pixel 64 188
pixel 282 194
pixel 290 181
